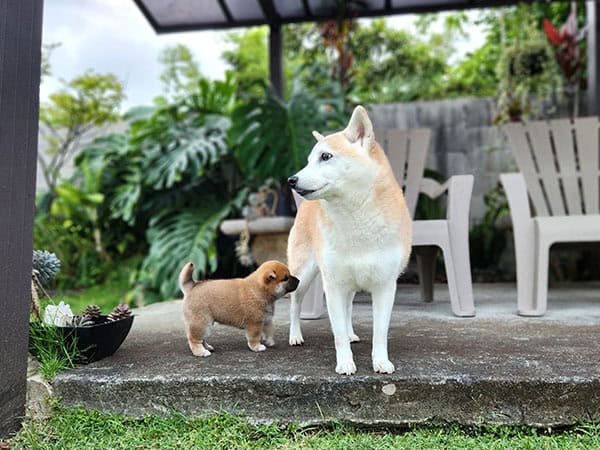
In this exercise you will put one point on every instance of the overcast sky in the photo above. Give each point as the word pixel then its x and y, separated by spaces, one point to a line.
pixel 113 36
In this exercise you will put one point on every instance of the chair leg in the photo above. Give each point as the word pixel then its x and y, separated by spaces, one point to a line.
pixel 525 252
pixel 465 305
pixel 312 305
pixel 462 307
pixel 426 258
pixel 540 292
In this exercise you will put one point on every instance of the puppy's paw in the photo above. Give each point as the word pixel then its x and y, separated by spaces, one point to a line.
pixel 209 347
pixel 202 353
pixel 383 366
pixel 296 339
pixel 257 348
pixel 270 342
pixel 354 338
pixel 345 367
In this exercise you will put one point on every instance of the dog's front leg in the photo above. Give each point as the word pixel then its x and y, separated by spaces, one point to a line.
pixel 295 331
pixel 268 331
pixel 337 301
pixel 253 332
pixel 383 302
pixel 306 275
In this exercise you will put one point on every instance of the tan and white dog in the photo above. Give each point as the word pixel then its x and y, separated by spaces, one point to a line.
pixel 355 229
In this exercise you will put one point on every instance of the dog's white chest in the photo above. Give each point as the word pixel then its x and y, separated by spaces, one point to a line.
pixel 362 258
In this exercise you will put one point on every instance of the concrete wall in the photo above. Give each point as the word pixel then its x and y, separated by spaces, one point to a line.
pixel 463 141
pixel 69 167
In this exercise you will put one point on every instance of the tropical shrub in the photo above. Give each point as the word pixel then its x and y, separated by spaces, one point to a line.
pixel 169 181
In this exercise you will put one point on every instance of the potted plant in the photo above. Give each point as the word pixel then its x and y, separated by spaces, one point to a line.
pixel 529 78
pixel 89 336
pixel 94 335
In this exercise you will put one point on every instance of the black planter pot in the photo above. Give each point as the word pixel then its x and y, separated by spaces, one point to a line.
pixel 99 340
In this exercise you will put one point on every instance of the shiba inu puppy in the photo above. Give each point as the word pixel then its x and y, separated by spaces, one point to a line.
pixel 245 303
pixel 355 229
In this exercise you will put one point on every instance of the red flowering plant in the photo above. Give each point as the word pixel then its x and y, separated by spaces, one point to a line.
pixel 570 55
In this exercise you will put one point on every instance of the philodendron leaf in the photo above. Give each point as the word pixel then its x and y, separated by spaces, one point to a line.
pixel 178 236
pixel 272 138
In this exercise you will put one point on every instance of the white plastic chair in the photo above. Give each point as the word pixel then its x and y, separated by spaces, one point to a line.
pixel 559 175
pixel 407 153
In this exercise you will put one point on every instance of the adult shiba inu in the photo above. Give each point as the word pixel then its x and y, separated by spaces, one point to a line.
pixel 355 229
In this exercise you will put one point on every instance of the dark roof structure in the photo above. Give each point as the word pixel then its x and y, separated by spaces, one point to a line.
pixel 180 15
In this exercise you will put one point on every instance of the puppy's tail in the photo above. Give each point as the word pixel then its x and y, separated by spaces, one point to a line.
pixel 186 281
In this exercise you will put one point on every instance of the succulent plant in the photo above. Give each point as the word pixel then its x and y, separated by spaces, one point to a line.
pixel 91 312
pixel 119 312
pixel 45 267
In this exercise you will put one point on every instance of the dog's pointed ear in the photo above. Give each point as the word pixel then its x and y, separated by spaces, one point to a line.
pixel 360 129
pixel 270 277
pixel 318 136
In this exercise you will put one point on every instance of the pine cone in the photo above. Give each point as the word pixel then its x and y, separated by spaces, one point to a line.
pixel 91 312
pixel 45 266
pixel 119 312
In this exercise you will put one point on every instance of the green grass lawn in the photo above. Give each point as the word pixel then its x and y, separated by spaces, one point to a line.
pixel 79 429
pixel 106 295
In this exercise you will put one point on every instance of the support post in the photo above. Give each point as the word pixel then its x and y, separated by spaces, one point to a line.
pixel 20 51
pixel 276 58
pixel 593 55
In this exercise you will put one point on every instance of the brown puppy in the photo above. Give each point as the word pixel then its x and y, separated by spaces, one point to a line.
pixel 245 303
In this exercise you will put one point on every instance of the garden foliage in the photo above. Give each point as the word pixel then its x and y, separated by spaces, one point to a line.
pixel 152 197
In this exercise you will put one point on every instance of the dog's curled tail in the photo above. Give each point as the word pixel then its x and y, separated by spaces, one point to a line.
pixel 186 280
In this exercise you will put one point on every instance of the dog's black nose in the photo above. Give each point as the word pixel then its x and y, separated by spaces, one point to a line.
pixel 292 284
pixel 293 181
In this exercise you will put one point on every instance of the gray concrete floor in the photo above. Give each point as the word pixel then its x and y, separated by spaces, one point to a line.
pixel 495 368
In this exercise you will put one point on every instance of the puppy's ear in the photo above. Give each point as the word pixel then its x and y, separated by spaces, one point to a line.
pixel 318 136
pixel 270 277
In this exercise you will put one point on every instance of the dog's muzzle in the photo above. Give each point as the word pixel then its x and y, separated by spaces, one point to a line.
pixel 293 182
pixel 292 284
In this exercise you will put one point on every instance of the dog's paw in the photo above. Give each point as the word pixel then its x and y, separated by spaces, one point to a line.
pixel 209 347
pixel 354 338
pixel 383 366
pixel 258 348
pixel 296 339
pixel 345 367
pixel 202 353
pixel 269 342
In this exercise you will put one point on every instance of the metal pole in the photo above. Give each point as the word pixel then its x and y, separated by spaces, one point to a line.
pixel 276 58
pixel 593 55
pixel 20 50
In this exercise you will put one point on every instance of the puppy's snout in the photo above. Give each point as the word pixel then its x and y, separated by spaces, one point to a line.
pixel 292 284
pixel 293 181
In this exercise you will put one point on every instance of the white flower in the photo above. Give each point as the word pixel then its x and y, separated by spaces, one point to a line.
pixel 58 315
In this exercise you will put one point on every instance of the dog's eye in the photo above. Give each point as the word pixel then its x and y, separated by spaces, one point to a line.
pixel 326 156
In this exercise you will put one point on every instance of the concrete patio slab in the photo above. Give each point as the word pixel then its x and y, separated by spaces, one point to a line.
pixel 496 368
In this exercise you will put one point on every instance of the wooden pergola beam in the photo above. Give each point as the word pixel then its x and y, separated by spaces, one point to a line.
pixel 276 58
pixel 275 45
pixel 593 55
pixel 20 52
